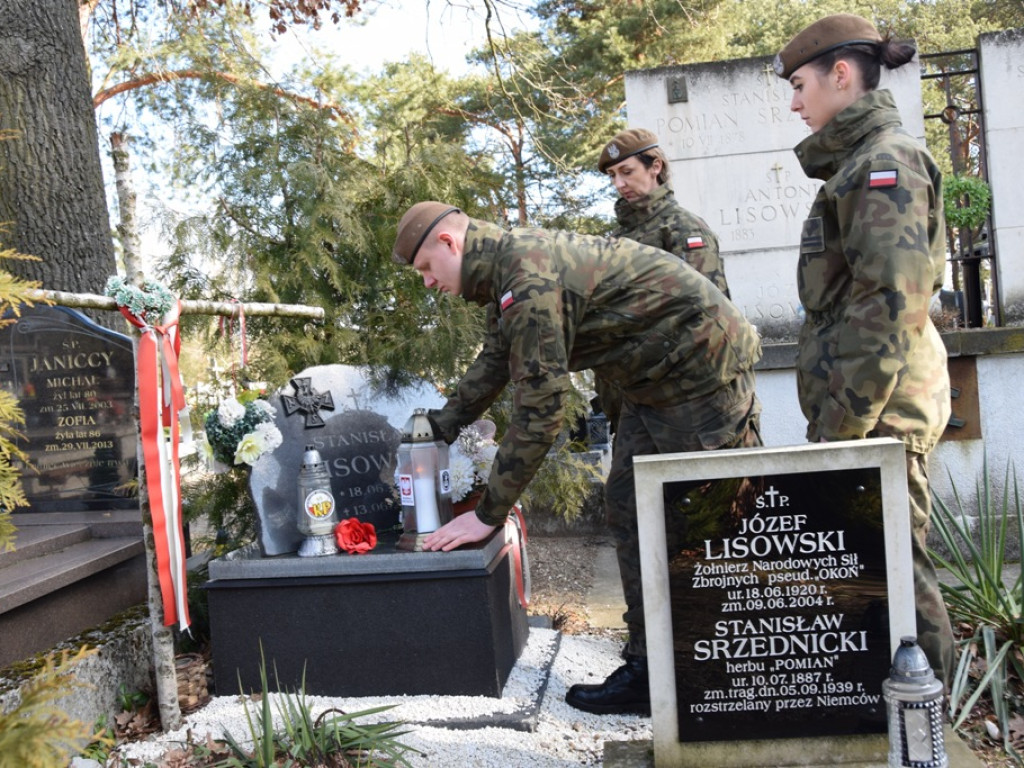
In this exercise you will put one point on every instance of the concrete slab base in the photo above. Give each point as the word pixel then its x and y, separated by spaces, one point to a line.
pixel 640 754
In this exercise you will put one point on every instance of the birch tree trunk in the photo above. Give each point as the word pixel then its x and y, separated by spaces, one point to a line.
pixel 162 636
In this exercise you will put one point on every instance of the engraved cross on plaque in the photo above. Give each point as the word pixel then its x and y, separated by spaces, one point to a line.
pixel 308 401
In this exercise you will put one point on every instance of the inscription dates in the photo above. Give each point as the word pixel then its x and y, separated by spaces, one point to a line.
pixel 782 640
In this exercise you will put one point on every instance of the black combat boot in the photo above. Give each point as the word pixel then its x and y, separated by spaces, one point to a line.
pixel 626 691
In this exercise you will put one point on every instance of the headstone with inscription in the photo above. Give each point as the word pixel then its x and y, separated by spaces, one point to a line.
pixel 75 381
pixel 777 583
pixel 356 426
pixel 729 134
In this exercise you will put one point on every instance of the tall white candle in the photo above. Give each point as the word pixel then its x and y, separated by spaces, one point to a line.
pixel 427 517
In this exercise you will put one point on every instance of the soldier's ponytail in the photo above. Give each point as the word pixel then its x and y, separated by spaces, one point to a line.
pixel 868 58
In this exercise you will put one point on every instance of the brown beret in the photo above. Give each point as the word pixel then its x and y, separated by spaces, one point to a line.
pixel 414 227
pixel 626 144
pixel 822 36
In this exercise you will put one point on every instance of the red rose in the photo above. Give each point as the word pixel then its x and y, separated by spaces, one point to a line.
pixel 355 537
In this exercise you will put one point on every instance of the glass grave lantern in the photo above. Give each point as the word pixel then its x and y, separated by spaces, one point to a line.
pixel 424 482
pixel 913 698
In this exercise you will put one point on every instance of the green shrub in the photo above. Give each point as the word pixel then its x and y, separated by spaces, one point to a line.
pixel 38 734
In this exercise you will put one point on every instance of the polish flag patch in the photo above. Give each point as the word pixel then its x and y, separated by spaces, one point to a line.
pixel 507 300
pixel 883 179
pixel 694 242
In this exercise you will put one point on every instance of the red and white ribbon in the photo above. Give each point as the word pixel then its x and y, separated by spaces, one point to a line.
pixel 515 542
pixel 161 398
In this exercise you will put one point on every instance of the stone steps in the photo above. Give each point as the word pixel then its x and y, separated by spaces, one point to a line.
pixel 68 572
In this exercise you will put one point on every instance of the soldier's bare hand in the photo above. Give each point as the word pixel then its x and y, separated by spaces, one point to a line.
pixel 464 529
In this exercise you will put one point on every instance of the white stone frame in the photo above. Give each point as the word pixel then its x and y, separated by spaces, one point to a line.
pixel 651 473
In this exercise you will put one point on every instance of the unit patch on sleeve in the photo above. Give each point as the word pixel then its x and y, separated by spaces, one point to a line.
pixel 812 238
pixel 883 179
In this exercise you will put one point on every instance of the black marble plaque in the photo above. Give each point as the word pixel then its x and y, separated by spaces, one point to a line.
pixel 779 605
pixel 75 380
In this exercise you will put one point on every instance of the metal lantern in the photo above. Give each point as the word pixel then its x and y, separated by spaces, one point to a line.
pixel 913 698
pixel 317 510
pixel 423 481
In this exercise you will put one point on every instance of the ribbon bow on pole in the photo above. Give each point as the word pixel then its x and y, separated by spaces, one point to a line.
pixel 161 398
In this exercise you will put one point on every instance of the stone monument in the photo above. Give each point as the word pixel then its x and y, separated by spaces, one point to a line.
pixel 777 584
pixel 388 622
pixel 356 426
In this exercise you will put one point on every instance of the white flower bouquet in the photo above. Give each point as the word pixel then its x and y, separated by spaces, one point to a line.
pixel 470 458
pixel 240 432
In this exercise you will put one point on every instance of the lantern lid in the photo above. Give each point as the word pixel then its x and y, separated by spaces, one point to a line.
pixel 311 457
pixel 910 665
pixel 419 428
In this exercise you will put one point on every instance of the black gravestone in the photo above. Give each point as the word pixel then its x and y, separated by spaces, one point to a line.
pixel 355 423
pixel 359 448
pixel 779 605
pixel 75 381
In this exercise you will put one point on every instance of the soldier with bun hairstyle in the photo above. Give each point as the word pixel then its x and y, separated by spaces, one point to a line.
pixel 870 363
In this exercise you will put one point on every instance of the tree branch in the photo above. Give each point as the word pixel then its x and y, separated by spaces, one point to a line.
pixel 188 306
pixel 195 74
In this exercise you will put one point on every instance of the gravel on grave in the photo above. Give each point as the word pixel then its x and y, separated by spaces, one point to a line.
pixel 532 724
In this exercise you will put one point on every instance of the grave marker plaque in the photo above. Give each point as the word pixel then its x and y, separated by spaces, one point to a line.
pixel 355 424
pixel 75 381
pixel 783 584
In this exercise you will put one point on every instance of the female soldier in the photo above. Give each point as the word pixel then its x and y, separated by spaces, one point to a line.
pixel 870 361
pixel 647 210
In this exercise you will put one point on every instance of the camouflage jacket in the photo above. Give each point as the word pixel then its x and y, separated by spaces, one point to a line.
pixel 658 220
pixel 560 302
pixel 870 362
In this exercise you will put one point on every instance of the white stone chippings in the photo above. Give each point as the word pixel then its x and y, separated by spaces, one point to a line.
pixel 563 737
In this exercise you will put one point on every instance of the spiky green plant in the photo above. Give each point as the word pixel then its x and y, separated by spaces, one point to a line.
pixel 984 595
pixel 334 738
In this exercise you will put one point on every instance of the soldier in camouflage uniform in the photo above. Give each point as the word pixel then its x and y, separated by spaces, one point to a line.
pixel 872 254
pixel 680 351
pixel 648 213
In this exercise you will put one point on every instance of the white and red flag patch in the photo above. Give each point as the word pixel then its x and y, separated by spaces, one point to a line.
pixel 696 241
pixel 507 300
pixel 883 179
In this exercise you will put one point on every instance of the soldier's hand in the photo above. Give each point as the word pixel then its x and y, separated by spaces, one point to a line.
pixel 464 529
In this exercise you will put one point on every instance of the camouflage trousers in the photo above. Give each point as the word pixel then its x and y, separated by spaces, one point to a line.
pixel 727 418
pixel 934 632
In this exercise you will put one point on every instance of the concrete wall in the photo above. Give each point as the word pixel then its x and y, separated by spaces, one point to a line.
pixel 1001 58
pixel 998 355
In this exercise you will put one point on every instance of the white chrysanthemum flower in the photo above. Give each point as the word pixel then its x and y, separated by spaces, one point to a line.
pixel 229 412
pixel 270 435
pixel 264 408
pixel 462 475
pixel 485 460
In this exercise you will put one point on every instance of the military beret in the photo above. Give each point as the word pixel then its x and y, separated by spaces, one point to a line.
pixel 822 36
pixel 414 227
pixel 626 144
